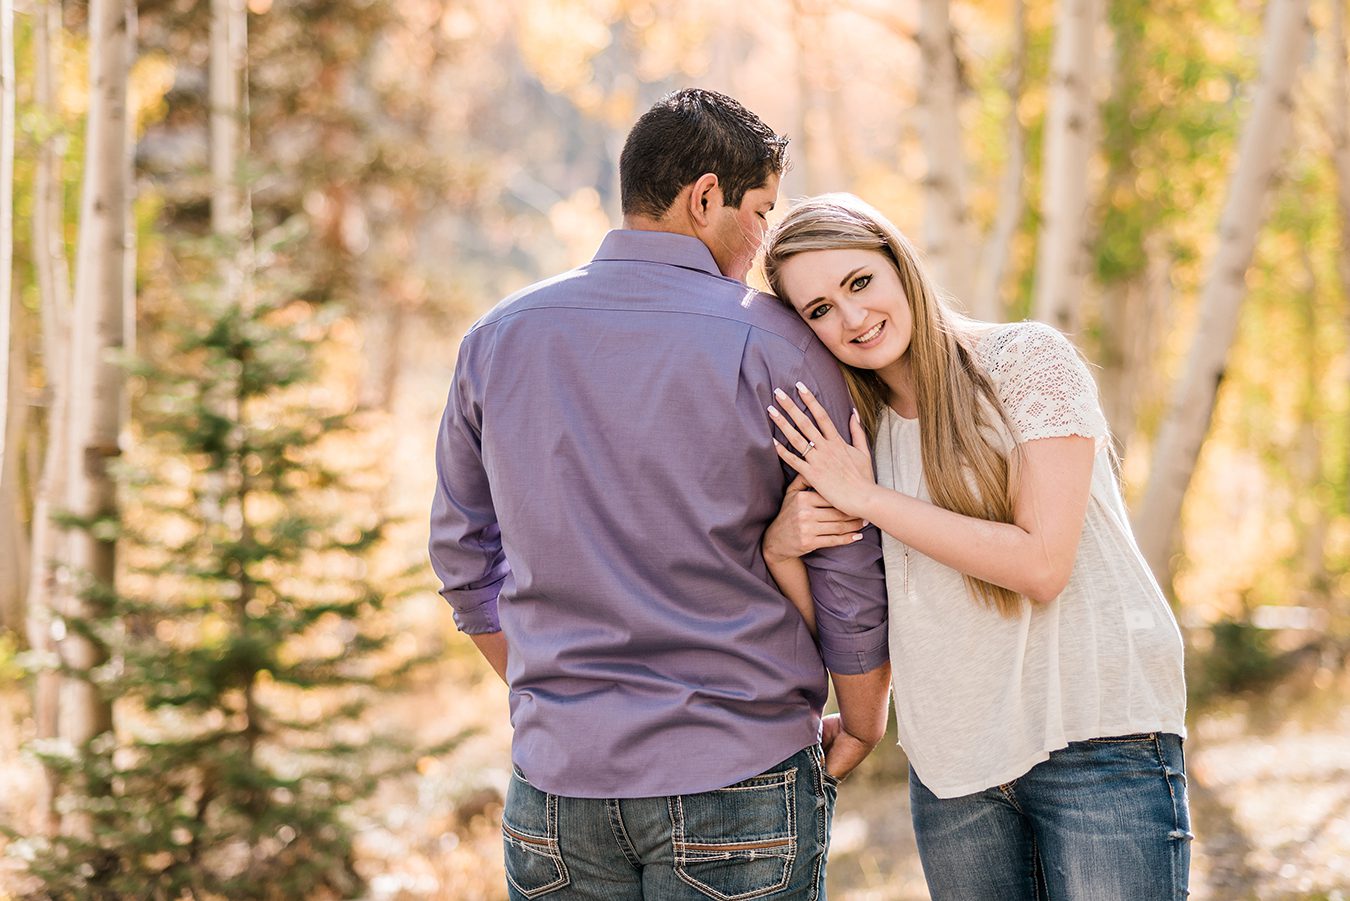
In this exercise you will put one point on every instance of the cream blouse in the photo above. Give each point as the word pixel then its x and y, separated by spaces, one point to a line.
pixel 981 698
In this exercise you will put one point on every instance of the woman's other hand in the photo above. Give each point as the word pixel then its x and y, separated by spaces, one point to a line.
pixel 806 522
pixel 838 469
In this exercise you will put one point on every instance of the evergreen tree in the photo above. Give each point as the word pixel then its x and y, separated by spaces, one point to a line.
pixel 250 641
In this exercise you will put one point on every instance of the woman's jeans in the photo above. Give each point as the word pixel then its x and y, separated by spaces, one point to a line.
pixel 1101 820
pixel 764 837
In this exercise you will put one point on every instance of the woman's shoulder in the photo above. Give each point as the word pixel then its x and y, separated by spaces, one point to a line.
pixel 1006 342
pixel 1043 381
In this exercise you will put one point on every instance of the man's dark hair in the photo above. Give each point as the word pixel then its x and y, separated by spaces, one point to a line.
pixel 688 133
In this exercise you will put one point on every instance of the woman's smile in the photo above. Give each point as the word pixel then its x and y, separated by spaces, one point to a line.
pixel 871 337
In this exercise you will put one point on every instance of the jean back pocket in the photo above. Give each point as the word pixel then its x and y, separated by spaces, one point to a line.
pixel 534 862
pixel 738 842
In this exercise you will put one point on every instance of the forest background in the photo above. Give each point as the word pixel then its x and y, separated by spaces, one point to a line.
pixel 242 240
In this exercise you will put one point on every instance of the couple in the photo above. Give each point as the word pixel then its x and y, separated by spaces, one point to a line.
pixel 665 602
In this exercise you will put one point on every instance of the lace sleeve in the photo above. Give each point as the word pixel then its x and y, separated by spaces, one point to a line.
pixel 1044 384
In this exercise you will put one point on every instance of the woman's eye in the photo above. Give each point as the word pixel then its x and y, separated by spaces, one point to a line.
pixel 817 312
pixel 861 282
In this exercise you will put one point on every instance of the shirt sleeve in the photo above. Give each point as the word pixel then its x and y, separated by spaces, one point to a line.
pixel 848 583
pixel 466 546
pixel 1045 385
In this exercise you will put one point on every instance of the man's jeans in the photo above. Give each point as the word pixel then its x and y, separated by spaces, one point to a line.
pixel 1101 820
pixel 765 837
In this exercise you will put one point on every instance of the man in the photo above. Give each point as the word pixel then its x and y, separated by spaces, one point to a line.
pixel 606 474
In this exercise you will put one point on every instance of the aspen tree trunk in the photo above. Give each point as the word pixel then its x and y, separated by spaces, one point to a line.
pixel 845 168
pixel 97 383
pixel 14 572
pixel 226 87
pixel 1192 403
pixel 53 278
pixel 231 221
pixel 1339 119
pixel 1309 506
pixel 948 240
pixel 987 302
pixel 1061 252
pixel 129 248
pixel 6 211
pixel 811 163
pixel 1132 314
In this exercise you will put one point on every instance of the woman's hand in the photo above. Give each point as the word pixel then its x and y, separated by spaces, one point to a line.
pixel 839 471
pixel 806 522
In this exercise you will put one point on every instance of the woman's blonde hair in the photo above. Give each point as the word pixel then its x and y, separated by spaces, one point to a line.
pixel 960 416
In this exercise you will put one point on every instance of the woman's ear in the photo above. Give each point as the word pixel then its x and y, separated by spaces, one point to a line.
pixel 706 193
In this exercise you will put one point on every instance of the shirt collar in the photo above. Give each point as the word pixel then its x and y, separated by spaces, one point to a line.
pixel 658 247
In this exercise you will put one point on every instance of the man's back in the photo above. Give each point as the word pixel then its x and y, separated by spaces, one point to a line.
pixel 618 417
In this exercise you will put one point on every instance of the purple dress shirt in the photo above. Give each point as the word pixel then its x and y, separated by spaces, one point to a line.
pixel 605 477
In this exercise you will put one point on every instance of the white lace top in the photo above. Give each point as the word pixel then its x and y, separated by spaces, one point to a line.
pixel 981 698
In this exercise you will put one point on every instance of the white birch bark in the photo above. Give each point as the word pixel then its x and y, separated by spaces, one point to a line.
pixel 1131 320
pixel 53 278
pixel 228 48
pixel 810 160
pixel 14 572
pixel 231 220
pixel 1339 121
pixel 1309 507
pixel 129 248
pixel 987 301
pixel 1191 406
pixel 97 383
pixel 7 123
pixel 949 245
pixel 1061 251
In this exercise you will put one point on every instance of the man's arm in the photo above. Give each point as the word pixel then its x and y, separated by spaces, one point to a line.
pixel 466 547
pixel 848 587
pixel 863 706
pixel 492 645
pixel 847 581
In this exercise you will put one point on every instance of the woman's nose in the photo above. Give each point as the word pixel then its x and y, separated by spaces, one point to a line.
pixel 854 314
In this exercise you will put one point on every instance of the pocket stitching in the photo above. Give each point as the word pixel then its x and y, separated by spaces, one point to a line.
pixel 785 780
pixel 1125 740
pixel 767 780
pixel 542 846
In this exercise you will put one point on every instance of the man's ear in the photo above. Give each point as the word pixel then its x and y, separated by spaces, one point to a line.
pixel 706 194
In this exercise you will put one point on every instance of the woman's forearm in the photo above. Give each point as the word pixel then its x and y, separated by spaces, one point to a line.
pixel 1034 554
pixel 1003 553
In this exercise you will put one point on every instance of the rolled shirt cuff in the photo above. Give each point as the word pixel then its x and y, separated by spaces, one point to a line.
pixel 475 609
pixel 855 653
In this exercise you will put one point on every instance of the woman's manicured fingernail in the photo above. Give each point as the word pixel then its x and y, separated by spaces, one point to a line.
pixel 801 387
pixel 779 392
pixel 773 411
pixel 857 537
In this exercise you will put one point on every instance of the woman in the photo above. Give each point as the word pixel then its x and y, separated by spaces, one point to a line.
pixel 1037 667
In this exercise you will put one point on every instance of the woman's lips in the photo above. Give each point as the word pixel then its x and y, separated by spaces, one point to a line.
pixel 871 336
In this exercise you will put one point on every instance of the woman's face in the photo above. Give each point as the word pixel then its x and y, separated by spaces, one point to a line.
pixel 853 301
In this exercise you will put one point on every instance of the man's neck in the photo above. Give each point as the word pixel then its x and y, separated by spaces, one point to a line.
pixel 668 223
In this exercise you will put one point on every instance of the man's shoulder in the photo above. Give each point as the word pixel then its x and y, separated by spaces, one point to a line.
pixel 771 316
pixel 541 293
pixel 724 297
